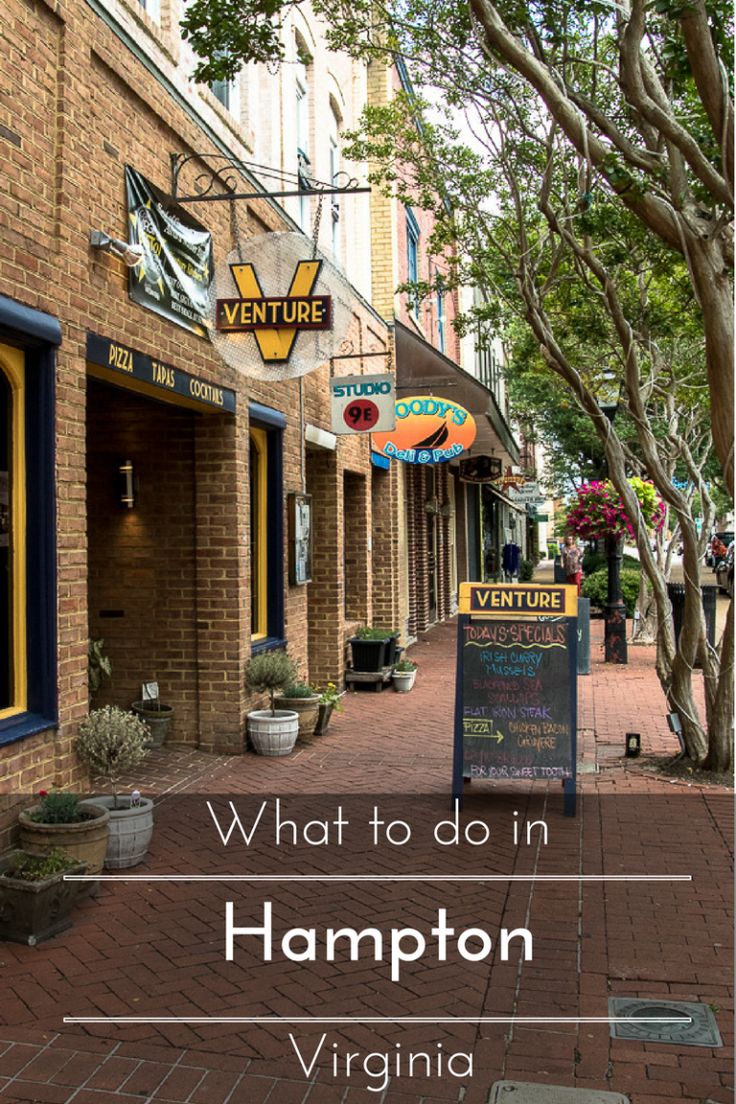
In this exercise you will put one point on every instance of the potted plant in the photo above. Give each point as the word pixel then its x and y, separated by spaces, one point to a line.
pixel 156 717
pixel 272 731
pixel 112 742
pixel 62 821
pixel 404 675
pixel 304 701
pixel 329 701
pixel 35 901
pixel 373 649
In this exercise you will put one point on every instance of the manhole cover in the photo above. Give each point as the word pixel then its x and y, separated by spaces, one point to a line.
pixel 525 1092
pixel 698 1025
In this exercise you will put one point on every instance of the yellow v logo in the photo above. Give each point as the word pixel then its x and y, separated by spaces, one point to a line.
pixel 276 344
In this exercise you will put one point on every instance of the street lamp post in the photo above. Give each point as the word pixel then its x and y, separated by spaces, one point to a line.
pixel 615 648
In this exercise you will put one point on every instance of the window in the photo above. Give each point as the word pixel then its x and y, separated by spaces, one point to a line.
pixel 266 527
pixel 412 258
pixel 441 318
pixel 27 521
pixel 152 8
pixel 302 139
pixel 334 174
pixel 13 688
pixel 224 91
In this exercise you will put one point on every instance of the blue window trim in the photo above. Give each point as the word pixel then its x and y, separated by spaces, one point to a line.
pixel 274 422
pixel 37 334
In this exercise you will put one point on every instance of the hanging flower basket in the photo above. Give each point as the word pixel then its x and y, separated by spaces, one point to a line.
pixel 597 510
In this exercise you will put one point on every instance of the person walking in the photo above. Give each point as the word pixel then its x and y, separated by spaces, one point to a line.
pixel 572 562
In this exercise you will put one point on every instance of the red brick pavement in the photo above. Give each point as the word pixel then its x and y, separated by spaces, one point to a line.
pixel 157 949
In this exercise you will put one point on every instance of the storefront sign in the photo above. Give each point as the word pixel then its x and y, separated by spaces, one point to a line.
pixel 174 276
pixel 528 493
pixel 428 431
pixel 116 363
pixel 361 404
pixel 275 321
pixel 278 307
pixel 480 469
pixel 523 598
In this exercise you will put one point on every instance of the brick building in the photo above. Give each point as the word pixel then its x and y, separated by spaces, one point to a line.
pixel 147 485
pixel 451 526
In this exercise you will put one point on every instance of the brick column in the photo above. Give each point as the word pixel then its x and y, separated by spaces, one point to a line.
pixel 223 585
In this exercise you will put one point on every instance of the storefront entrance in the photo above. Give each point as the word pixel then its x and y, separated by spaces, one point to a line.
pixel 142 575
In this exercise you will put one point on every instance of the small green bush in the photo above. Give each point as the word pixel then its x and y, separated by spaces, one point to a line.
pixel 111 742
pixel 368 633
pixel 34 868
pixel 526 571
pixel 596 561
pixel 59 807
pixel 595 587
pixel 552 550
pixel 298 690
pixel 270 671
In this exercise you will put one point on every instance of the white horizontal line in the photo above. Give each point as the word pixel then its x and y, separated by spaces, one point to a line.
pixel 378 877
pixel 374 1019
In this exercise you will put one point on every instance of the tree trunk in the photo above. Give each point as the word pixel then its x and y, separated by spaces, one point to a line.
pixel 715 294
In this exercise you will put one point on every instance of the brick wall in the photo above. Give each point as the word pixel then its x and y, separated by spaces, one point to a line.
pixel 81 106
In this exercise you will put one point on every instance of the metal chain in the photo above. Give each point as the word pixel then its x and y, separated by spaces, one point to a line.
pixel 317 220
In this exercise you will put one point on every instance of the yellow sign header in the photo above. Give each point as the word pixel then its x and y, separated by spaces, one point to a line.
pixel 520 599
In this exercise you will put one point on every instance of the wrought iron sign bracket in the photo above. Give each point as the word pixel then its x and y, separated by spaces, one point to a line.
pixel 223 177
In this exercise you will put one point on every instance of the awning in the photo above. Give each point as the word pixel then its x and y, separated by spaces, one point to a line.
pixel 420 367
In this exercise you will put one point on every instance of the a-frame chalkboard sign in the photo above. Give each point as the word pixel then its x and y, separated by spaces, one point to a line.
pixel 516 690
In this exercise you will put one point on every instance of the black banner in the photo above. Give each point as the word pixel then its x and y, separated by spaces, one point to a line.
pixel 174 276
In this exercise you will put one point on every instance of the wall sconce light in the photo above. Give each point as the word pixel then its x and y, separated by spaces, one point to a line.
pixel 633 744
pixel 127 485
pixel 132 255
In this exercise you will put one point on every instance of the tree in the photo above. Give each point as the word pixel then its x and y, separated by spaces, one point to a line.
pixel 604 135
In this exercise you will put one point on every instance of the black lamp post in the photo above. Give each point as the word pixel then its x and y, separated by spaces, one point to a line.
pixel 615 649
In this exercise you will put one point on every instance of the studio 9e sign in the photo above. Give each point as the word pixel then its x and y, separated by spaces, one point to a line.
pixel 363 404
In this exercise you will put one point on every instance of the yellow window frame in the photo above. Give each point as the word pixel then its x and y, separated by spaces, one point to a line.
pixel 259 568
pixel 12 365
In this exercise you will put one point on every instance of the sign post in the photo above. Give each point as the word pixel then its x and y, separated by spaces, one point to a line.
pixel 516 689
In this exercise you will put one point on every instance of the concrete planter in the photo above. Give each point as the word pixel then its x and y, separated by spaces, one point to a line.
pixel 158 720
pixel 86 840
pixel 33 911
pixel 307 710
pixel 273 734
pixel 131 828
pixel 403 681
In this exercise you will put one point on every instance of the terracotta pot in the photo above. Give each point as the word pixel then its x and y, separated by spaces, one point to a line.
pixel 307 709
pixel 85 840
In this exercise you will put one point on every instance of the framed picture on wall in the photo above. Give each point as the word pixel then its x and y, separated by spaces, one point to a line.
pixel 300 538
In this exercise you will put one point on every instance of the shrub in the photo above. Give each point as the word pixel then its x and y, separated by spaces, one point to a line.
pixel 368 633
pixel 112 742
pixel 298 690
pixel 405 665
pixel 270 671
pixel 59 807
pixel 595 587
pixel 526 571
pixel 552 550
pixel 595 561
pixel 34 868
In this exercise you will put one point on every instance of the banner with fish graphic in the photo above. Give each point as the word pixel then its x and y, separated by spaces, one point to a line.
pixel 428 431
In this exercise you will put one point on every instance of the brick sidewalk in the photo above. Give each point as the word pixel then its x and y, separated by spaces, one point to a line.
pixel 156 949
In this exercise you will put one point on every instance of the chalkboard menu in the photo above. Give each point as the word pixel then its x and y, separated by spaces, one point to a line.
pixel 516 693
pixel 516 704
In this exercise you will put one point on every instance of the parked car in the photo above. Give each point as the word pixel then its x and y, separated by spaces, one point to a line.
pixel 724 572
pixel 725 538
